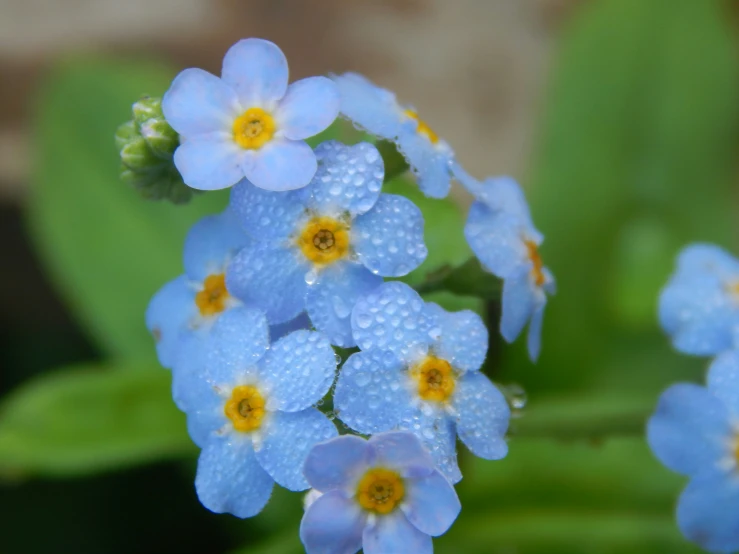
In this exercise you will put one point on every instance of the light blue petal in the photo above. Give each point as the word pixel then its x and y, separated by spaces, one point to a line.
pixel 394 534
pixel 211 243
pixel 401 449
pixel 269 278
pixel 276 332
pixel 482 416
pixel 723 380
pixel 472 185
pixel 504 194
pixel 519 302
pixel 298 371
pixel 309 107
pixel 369 106
pixel 707 258
pixel 288 437
pixel 688 428
pixel 370 395
pixel 533 341
pixel 438 435
pixel 349 178
pixel 199 103
pixel 392 317
pixel 268 216
pixel 188 384
pixel 209 163
pixel 464 338
pixel 206 421
pixel 432 504
pixel 167 316
pixel 496 239
pixel 430 163
pixel 338 463
pixel 280 165
pixel 389 238
pixel 229 478
pixel 329 302
pixel 333 524
pixel 707 512
pixel 257 71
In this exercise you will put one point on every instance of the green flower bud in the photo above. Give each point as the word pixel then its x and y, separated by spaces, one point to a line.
pixel 161 138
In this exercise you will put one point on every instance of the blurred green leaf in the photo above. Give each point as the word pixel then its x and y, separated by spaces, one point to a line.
pixel 85 420
pixel 107 250
pixel 468 279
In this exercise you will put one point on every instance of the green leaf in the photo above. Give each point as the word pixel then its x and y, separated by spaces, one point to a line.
pixel 107 250
pixel 87 420
pixel 468 279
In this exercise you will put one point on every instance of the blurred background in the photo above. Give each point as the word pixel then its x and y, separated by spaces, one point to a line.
pixel 619 117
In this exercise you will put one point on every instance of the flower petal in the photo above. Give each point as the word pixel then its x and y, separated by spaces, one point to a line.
pixel 268 216
pixel 276 332
pixel 432 504
pixel 257 70
pixel 533 341
pixel 298 371
pixel 464 338
pixel 438 435
pixel 199 103
pixel 482 416
pixel 229 478
pixel 207 419
pixel 430 163
pixel 504 194
pixel 211 243
pixel 333 524
pixel 280 165
pixel 687 430
pixel 519 303
pixel 288 438
pixel 707 258
pixel 389 238
pixel 394 534
pixel 167 316
pixel 338 463
pixel 309 107
pixel 269 278
pixel 723 380
pixel 329 302
pixel 401 449
pixel 496 239
pixel 349 178
pixel 369 106
pixel 209 162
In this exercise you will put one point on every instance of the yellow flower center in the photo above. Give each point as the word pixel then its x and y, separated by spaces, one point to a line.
pixel 212 299
pixel 324 240
pixel 253 129
pixel 537 272
pixel 380 490
pixel 422 127
pixel 435 379
pixel 245 408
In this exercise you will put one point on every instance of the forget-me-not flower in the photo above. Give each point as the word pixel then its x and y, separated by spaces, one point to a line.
pixel 501 233
pixel 249 407
pixel 377 111
pixel 695 432
pixel 249 122
pixel 699 307
pixel 321 247
pixel 419 371
pixel 382 495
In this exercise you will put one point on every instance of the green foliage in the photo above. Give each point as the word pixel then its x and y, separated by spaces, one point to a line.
pixel 86 420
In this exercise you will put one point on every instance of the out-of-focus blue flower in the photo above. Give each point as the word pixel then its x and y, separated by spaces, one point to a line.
pixel 249 407
pixel 502 235
pixel 249 122
pixel 419 371
pixel 699 307
pixel 320 248
pixel 377 111
pixel 383 495
pixel 694 431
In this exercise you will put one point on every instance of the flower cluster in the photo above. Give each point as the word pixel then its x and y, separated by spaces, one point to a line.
pixel 298 270
pixel 695 429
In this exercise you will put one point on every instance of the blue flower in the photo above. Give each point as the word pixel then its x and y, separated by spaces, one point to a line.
pixel 695 432
pixel 249 407
pixel 322 247
pixel 377 111
pixel 382 495
pixel 249 123
pixel 502 235
pixel 419 371
pixel 699 307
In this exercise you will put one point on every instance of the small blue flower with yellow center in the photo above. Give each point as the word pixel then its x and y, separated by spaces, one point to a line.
pixel 382 495
pixel 419 371
pixel 378 112
pixel 249 406
pixel 501 233
pixel 249 122
pixel 322 247
pixel 695 432
pixel 699 307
